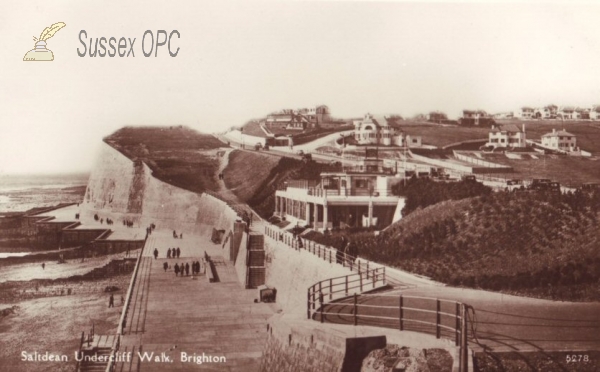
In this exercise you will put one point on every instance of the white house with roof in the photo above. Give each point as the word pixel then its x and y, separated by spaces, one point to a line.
pixel 560 140
pixel 595 112
pixel 377 130
pixel 567 113
pixel 475 117
pixel 546 112
pixel 507 136
pixel 526 112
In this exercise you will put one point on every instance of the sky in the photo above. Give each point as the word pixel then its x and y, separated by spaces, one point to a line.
pixel 241 60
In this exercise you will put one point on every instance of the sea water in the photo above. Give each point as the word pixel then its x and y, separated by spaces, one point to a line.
pixel 19 193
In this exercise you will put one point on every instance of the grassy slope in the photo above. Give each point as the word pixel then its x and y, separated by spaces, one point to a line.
pixel 246 172
pixel 254 177
pixel 173 153
pixel 517 243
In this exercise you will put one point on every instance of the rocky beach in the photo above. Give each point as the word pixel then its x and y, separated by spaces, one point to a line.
pixel 44 310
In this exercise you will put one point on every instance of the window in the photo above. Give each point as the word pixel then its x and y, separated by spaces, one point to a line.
pixel 360 183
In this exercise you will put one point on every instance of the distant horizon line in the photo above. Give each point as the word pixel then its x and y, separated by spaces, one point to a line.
pixel 57 173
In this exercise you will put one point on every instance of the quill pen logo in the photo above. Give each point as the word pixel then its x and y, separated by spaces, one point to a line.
pixel 40 52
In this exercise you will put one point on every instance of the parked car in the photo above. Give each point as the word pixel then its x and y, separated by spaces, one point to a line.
pixel 469 178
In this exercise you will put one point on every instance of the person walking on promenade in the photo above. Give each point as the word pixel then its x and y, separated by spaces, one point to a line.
pixel 187 269
pixel 178 252
pixel 111 301
pixel 165 266
pixel 169 253
pixel 43 265
pixel 181 236
pixel 176 270
pixel 155 253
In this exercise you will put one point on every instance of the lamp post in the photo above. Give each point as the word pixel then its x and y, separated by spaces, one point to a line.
pixel 343 148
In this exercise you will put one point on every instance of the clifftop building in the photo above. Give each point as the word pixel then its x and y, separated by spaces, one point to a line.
pixel 560 140
pixel 357 197
pixel 299 119
pixel 475 117
pixel 507 136
pixel 378 130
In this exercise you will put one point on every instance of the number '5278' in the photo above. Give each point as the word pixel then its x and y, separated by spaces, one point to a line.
pixel 576 358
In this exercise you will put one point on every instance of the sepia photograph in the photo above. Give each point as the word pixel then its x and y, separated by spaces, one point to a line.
pixel 300 185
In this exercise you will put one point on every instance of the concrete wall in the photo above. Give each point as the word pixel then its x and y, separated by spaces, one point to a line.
pixel 240 263
pixel 291 349
pixel 480 162
pixel 303 345
pixel 443 164
pixel 120 186
pixel 292 272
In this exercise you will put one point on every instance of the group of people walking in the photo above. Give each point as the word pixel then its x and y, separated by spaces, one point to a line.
pixel 184 269
pixel 150 228
pixel 97 218
pixel 173 252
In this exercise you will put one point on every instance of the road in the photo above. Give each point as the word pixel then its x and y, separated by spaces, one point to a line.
pixel 500 322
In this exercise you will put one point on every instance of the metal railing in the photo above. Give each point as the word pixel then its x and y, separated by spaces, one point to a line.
pixel 341 287
pixel 326 253
pixel 444 318
pixel 342 299
pixel 123 320
pixel 89 339
pixel 317 191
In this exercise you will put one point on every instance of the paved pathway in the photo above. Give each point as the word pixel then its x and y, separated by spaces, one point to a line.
pixel 178 315
pixel 501 322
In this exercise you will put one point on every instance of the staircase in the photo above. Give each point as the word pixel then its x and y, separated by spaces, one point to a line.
pixel 95 353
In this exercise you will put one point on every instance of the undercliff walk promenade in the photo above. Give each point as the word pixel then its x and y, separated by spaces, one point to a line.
pixel 175 317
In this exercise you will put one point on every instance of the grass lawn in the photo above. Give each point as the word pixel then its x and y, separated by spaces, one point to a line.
pixel 437 135
pixel 568 170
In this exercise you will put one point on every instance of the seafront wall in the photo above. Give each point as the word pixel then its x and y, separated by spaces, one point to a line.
pixel 126 188
pixel 303 345
pixel 302 348
pixel 292 272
